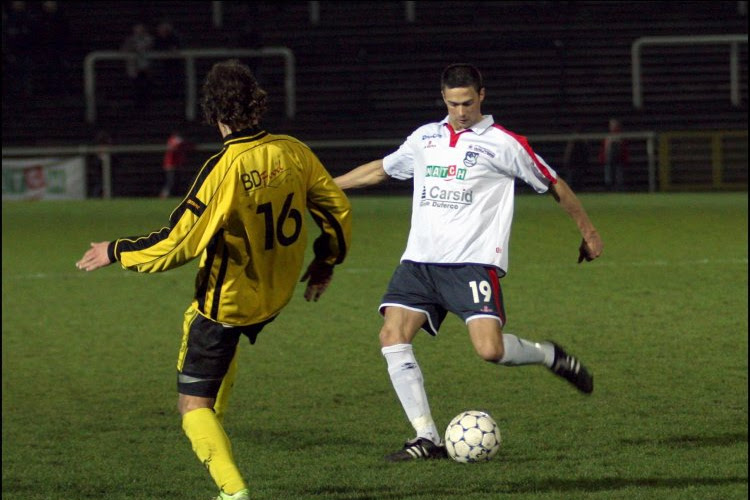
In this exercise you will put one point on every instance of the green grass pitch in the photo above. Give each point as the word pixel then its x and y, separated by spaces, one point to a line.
pixel 88 364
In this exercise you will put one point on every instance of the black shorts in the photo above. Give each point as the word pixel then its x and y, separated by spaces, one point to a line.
pixel 206 352
pixel 467 290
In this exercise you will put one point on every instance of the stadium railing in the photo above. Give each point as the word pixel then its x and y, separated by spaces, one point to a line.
pixel 703 160
pixel 189 56
pixel 550 146
pixel 689 160
pixel 734 66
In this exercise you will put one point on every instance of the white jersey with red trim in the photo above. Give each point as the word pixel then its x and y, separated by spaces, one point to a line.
pixel 464 185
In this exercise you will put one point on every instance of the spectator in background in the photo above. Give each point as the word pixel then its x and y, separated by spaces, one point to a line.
pixel 18 28
pixel 166 37
pixel 575 158
pixel 614 157
pixel 174 158
pixel 171 71
pixel 51 37
pixel 139 42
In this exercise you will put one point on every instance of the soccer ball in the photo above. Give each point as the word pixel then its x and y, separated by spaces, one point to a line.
pixel 473 436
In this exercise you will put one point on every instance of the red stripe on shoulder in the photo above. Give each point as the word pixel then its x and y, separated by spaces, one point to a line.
pixel 527 147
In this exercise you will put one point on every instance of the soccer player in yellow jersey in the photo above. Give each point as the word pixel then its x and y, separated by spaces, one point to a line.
pixel 243 217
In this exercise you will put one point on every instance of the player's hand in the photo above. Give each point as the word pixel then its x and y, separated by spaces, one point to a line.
pixel 95 257
pixel 318 277
pixel 591 247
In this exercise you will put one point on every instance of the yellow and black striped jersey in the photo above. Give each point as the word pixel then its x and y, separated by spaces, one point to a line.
pixel 244 216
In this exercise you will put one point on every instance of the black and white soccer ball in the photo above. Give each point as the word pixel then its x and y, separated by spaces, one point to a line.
pixel 473 436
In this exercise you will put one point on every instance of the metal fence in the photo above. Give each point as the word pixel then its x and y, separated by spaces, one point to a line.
pixel 137 171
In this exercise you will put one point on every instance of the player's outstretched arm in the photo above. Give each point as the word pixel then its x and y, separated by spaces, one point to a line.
pixel 591 246
pixel 95 257
pixel 362 176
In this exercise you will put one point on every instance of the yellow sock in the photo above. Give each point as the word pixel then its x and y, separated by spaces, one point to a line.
pixel 225 390
pixel 212 446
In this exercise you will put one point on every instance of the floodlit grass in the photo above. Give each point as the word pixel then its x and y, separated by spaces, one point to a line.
pixel 661 319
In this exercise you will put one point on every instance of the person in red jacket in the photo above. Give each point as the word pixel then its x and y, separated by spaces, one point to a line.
pixel 614 157
pixel 174 158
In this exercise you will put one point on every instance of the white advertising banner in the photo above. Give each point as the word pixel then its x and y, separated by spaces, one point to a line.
pixel 44 179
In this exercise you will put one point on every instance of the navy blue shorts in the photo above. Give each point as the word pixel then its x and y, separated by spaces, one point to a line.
pixel 207 351
pixel 468 290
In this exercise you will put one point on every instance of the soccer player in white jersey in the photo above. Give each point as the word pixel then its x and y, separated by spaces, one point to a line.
pixel 464 170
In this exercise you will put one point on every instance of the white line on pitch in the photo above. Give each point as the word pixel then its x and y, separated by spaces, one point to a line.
pixel 365 270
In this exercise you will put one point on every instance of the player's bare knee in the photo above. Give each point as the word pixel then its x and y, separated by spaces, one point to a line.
pixel 492 353
pixel 384 338
pixel 187 403
pixel 182 406
pixel 391 336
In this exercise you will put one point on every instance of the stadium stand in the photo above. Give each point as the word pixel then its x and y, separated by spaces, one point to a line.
pixel 365 72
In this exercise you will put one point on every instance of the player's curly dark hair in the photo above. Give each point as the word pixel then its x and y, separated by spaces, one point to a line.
pixel 461 75
pixel 232 96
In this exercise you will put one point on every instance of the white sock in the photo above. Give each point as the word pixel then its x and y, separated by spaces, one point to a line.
pixel 520 351
pixel 408 382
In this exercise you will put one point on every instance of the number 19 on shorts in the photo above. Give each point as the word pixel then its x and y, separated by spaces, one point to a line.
pixel 482 288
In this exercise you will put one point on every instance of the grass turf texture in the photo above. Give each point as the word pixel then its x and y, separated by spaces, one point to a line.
pixel 661 319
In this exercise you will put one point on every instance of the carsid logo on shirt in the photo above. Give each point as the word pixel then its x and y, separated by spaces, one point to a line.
pixel 448 173
pixel 446 198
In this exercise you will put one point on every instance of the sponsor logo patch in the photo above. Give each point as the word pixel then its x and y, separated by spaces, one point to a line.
pixel 448 173
pixel 273 178
pixel 480 149
pixel 446 198
pixel 470 159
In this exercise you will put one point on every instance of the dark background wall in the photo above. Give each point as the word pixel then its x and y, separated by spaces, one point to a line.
pixel 365 72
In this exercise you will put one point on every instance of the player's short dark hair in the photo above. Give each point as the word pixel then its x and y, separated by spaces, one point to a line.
pixel 232 96
pixel 461 75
